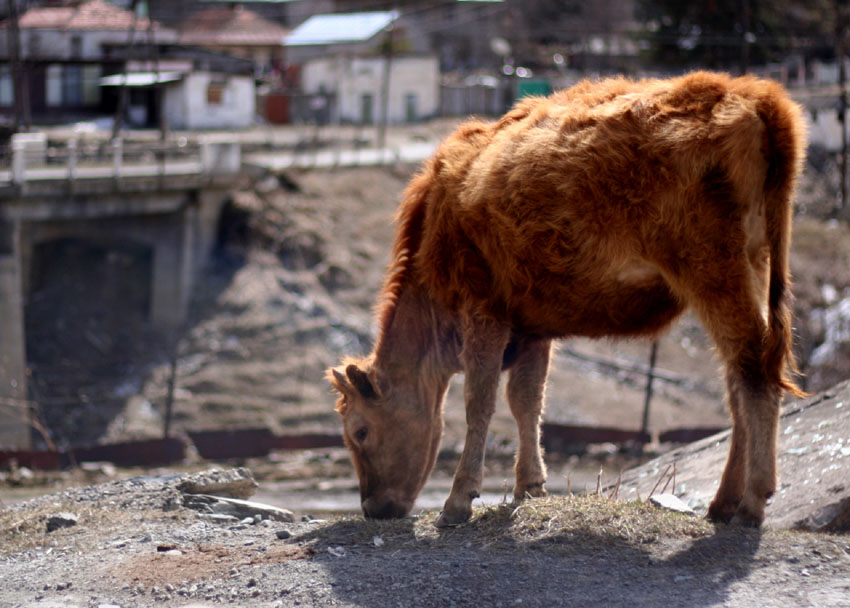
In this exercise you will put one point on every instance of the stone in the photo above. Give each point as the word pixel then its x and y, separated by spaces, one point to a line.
pixel 232 483
pixel 671 503
pixel 61 520
pixel 240 509
pixel 814 456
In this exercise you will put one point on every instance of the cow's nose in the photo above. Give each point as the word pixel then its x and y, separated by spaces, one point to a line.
pixel 374 508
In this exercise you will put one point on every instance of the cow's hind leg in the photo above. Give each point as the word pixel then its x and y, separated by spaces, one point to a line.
pixel 750 477
pixel 525 390
pixel 732 484
pixel 483 346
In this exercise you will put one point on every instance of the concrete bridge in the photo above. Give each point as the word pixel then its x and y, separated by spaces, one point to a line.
pixel 166 203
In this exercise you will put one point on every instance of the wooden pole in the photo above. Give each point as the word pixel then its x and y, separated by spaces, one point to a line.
pixel 650 376
pixel 122 93
pixel 385 89
pixel 840 55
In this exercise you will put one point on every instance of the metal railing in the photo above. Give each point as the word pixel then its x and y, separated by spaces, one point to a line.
pixel 29 157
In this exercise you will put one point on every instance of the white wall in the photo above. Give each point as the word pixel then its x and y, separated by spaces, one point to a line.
pixel 56 44
pixel 186 105
pixel 352 77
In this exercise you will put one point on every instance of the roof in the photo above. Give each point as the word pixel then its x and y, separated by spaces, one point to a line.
pixel 342 28
pixel 231 26
pixel 90 15
pixel 139 79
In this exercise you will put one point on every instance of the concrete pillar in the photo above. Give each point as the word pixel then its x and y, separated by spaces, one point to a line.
pixel 14 409
pixel 173 261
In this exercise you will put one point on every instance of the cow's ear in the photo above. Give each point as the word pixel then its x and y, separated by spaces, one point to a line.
pixel 366 384
pixel 339 381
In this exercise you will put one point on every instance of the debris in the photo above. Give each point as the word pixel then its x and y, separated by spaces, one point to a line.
pixel 377 541
pixel 241 509
pixel 61 520
pixel 671 503
pixel 232 483
pixel 337 551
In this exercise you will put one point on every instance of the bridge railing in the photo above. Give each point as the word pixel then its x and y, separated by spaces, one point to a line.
pixel 30 157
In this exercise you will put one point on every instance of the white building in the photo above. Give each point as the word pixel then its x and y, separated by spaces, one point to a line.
pixel 357 85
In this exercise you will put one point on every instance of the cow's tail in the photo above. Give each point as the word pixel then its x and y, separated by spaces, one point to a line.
pixel 785 145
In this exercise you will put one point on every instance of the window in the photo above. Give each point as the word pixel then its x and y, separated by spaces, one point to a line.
pixel 91 85
pixel 34 45
pixel 410 113
pixel 76 46
pixel 215 94
pixel 367 101
pixel 7 90
pixel 54 85
pixel 73 85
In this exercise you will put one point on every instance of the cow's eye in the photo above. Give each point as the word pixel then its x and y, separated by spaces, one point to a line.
pixel 361 434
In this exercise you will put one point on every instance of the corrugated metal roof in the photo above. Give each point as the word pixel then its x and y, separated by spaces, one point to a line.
pixel 139 79
pixel 335 29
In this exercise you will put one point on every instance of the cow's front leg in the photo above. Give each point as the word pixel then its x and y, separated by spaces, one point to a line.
pixel 526 386
pixel 483 345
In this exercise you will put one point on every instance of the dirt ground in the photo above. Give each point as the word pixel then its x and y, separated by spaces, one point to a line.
pixel 136 543
pixel 289 292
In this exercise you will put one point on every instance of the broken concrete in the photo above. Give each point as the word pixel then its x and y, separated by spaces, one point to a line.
pixel 232 483
pixel 814 467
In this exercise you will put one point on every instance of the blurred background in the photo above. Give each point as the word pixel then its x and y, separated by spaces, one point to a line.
pixel 196 203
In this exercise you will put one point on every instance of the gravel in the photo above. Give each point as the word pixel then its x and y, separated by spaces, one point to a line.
pixel 137 543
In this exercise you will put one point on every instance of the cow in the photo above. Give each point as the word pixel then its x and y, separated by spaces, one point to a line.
pixel 604 210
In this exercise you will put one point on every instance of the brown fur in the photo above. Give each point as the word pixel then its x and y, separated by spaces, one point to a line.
pixel 602 210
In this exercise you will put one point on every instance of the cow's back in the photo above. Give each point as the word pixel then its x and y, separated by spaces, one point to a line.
pixel 551 217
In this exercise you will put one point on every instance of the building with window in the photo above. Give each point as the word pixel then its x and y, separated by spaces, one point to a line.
pixel 64 51
pixel 348 62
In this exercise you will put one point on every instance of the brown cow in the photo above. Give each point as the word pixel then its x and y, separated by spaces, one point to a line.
pixel 602 210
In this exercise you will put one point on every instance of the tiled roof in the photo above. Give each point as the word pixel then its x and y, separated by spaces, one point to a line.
pixel 341 28
pixel 231 26
pixel 91 15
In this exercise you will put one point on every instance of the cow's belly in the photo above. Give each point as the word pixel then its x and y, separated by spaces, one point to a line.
pixel 632 299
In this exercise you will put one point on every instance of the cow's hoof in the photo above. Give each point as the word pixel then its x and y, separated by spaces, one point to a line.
pixel 449 519
pixel 722 512
pixel 746 518
pixel 532 490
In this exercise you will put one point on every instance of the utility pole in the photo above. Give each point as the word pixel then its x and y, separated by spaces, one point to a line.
pixel 745 36
pixel 385 88
pixel 122 93
pixel 13 42
pixel 841 48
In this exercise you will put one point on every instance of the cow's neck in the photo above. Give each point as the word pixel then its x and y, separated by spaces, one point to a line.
pixel 418 345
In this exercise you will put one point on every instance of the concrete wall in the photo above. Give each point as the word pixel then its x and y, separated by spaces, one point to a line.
pixel 180 229
pixel 56 44
pixel 350 78
pixel 187 106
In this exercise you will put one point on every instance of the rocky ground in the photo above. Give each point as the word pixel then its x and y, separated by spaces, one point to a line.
pixel 300 261
pixel 153 540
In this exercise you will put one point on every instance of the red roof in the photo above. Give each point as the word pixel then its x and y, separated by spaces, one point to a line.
pixel 231 26
pixel 91 15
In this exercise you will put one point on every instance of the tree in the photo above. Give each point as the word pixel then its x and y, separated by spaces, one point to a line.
pixel 726 34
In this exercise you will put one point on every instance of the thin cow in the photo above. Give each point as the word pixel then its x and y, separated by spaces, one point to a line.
pixel 604 210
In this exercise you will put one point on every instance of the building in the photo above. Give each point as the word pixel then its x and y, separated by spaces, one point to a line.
pixel 356 83
pixel 76 59
pixel 348 62
pixel 63 53
pixel 238 31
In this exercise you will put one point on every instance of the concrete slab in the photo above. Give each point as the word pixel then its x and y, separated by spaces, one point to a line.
pixel 814 467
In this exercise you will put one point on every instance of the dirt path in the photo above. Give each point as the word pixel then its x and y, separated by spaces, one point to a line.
pixel 136 544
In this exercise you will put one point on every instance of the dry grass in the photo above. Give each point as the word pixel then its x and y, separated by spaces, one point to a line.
pixel 531 523
pixel 27 530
